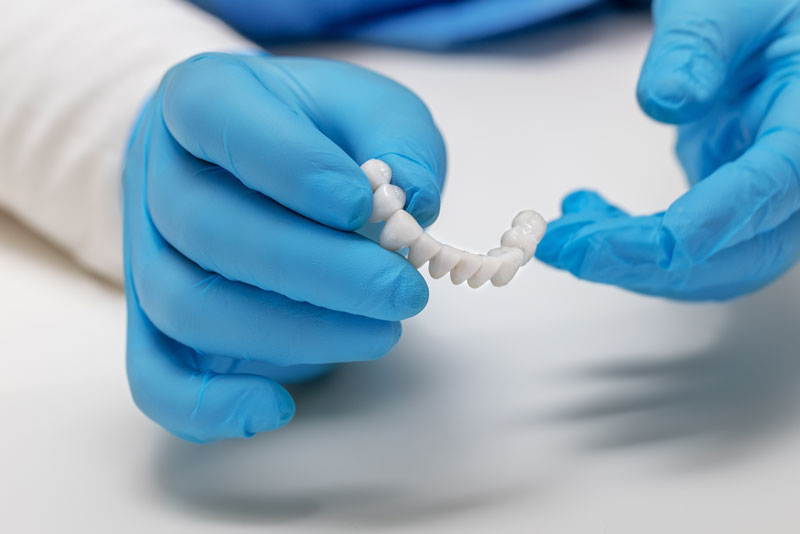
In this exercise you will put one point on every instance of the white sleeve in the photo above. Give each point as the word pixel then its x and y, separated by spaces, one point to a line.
pixel 73 77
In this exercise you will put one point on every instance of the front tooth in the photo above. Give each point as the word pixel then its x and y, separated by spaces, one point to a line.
pixel 423 249
pixel 400 231
pixel 444 261
pixel 378 173
pixel 466 267
pixel 532 221
pixel 489 266
pixel 387 199
pixel 511 258
pixel 519 238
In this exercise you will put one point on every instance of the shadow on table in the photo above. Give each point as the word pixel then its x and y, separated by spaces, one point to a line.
pixel 724 401
pixel 373 445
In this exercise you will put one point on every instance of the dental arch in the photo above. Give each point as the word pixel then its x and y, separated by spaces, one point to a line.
pixel 401 230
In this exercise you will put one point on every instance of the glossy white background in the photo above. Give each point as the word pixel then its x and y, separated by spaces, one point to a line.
pixel 551 405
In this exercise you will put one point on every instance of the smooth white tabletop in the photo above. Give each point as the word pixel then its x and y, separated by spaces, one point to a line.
pixel 551 405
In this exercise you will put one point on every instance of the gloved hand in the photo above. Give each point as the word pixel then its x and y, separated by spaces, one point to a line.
pixel 429 24
pixel 241 191
pixel 727 72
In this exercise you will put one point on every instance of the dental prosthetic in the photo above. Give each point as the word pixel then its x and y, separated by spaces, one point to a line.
pixel 401 230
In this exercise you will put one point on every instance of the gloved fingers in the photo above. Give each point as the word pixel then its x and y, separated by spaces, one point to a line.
pixel 636 253
pixel 282 374
pixel 219 224
pixel 369 116
pixel 194 405
pixel 580 209
pixel 214 315
pixel 205 311
pixel 695 46
pixel 752 195
pixel 588 202
pixel 221 111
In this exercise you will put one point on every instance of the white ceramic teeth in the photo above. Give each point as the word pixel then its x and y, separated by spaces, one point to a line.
pixel 401 230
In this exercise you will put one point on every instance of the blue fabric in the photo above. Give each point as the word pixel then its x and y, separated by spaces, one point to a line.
pixel 432 24
pixel 728 73
pixel 441 26
pixel 241 193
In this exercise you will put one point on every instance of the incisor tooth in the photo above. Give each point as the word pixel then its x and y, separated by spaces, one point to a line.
pixel 511 258
pixel 466 267
pixel 386 200
pixel 444 261
pixel 378 173
pixel 489 266
pixel 423 249
pixel 400 231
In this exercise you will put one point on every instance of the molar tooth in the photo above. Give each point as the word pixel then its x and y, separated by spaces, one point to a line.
pixel 525 241
pixel 400 231
pixel 423 249
pixel 532 222
pixel 378 173
pixel 489 266
pixel 444 261
pixel 511 258
pixel 386 200
pixel 467 265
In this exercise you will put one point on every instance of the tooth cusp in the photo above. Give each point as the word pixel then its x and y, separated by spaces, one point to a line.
pixel 378 173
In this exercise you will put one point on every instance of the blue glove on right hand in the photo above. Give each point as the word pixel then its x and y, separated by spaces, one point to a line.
pixel 728 73
pixel 242 187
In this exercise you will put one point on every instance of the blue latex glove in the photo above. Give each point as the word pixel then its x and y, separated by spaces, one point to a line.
pixel 728 72
pixel 241 191
pixel 431 24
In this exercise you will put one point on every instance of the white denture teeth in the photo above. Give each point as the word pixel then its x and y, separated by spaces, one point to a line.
pixel 422 250
pixel 489 267
pixel 444 261
pixel 521 238
pixel 401 230
pixel 511 259
pixel 378 173
pixel 386 200
pixel 466 267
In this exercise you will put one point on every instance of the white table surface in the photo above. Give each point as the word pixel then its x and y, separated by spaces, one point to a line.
pixel 552 406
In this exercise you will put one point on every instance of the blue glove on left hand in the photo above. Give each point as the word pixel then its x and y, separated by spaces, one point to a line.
pixel 728 72
pixel 242 189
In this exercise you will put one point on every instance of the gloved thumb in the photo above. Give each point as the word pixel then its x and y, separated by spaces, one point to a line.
pixel 688 60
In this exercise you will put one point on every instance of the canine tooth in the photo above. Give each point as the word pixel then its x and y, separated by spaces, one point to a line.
pixel 423 249
pixel 467 265
pixel 378 173
pixel 386 200
pixel 444 261
pixel 400 231
pixel 511 258
pixel 489 267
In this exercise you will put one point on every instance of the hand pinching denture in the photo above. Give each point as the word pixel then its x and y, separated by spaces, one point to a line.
pixel 401 230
